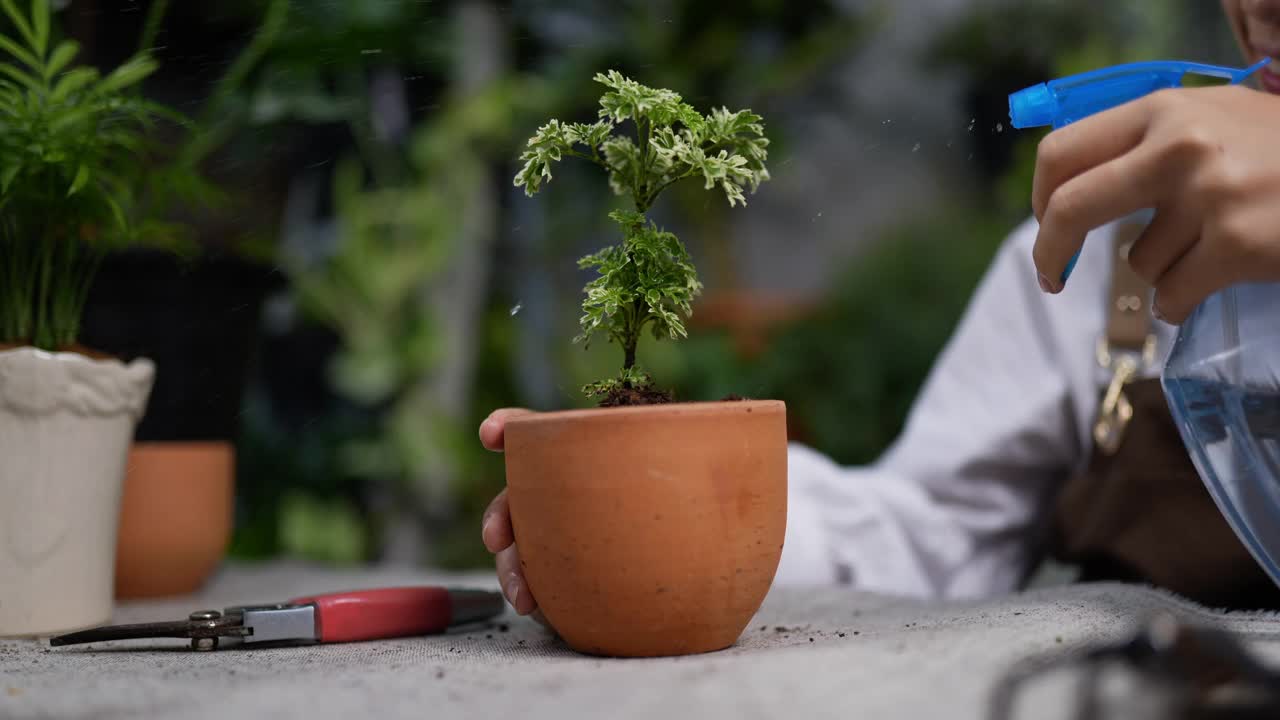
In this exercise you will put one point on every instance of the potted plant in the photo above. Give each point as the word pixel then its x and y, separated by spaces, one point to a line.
pixel 648 527
pixel 73 145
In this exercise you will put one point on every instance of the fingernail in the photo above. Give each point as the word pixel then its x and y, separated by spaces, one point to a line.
pixel 513 589
pixel 1045 285
pixel 484 526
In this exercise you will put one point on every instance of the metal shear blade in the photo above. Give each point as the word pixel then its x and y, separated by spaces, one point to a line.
pixel 203 627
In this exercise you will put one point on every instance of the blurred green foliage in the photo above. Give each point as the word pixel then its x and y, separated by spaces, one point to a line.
pixel 279 500
pixel 394 201
pixel 849 371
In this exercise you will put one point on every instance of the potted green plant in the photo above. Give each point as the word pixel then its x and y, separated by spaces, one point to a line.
pixel 73 151
pixel 648 527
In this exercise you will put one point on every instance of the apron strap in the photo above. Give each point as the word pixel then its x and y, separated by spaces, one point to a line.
pixel 1128 314
pixel 1128 346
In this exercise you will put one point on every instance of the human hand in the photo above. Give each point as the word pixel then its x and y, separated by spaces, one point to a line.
pixel 495 525
pixel 1206 159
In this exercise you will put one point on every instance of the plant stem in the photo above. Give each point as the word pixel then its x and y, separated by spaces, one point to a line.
pixel 653 196
pixel 63 269
pixel 16 312
pixel 635 315
pixel 40 335
pixel 642 168
pixel 632 338
pixel 80 288
pixel 629 349
pixel 155 14
pixel 593 158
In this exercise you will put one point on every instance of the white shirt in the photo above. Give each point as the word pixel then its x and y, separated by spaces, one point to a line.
pixel 956 507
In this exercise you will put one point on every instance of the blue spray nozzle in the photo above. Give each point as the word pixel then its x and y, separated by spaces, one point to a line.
pixel 1033 107
pixel 1066 100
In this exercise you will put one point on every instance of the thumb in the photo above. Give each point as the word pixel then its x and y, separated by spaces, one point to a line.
pixel 493 429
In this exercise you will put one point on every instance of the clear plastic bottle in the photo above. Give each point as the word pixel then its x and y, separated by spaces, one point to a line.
pixel 1222 380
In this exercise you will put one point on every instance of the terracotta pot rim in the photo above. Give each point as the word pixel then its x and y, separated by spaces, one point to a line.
pixel 683 409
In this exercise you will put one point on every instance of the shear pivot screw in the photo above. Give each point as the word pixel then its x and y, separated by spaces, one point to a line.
pixel 204 643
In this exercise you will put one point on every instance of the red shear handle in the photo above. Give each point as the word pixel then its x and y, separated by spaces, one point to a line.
pixel 381 613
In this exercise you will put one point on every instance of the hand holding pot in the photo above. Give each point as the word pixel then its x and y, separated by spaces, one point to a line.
pixel 495 528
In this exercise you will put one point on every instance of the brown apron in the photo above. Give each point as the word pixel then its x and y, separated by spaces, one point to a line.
pixel 1139 512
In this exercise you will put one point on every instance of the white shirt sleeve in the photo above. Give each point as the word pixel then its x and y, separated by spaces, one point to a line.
pixel 954 508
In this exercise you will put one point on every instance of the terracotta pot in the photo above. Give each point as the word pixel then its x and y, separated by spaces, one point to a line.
pixel 65 425
pixel 175 520
pixel 651 530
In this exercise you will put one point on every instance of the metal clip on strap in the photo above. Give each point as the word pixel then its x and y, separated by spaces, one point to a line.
pixel 1116 410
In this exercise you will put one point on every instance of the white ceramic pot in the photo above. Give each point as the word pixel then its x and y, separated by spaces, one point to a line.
pixel 66 423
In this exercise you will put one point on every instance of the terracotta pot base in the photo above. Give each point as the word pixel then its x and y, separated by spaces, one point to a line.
pixel 175 519
pixel 653 530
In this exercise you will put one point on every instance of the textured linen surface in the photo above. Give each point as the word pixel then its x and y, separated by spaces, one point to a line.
pixel 809 653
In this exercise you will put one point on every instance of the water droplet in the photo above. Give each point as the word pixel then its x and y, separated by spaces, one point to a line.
pixel 516 310
pixel 371 51
pixel 887 121
pixel 915 148
pixel 948 143
pixel 971 123
pixel 999 127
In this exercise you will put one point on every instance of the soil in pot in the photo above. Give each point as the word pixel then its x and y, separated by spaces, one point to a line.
pixel 652 530
pixel 77 349
pixel 624 395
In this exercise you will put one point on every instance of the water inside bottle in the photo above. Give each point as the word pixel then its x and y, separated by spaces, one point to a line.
pixel 1233 432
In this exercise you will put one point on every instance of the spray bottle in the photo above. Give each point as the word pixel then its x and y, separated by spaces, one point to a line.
pixel 1222 376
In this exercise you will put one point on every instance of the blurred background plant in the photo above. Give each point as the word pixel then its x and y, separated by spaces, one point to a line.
pixel 74 146
pixel 366 150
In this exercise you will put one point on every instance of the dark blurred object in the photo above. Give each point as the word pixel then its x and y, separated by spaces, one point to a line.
pixel 197 319
pixel 1005 46
pixel 749 52
pixel 1185 672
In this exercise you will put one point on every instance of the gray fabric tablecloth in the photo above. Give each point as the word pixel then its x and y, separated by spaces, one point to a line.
pixel 809 653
